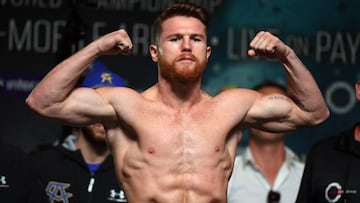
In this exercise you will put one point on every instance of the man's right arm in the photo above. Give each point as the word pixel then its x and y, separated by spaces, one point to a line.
pixel 56 96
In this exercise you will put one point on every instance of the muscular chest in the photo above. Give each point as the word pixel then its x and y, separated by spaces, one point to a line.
pixel 184 123
pixel 198 130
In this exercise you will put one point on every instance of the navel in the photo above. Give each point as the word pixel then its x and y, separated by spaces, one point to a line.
pixel 217 149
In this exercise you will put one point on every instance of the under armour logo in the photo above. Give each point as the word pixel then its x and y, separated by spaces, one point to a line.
pixel 117 196
pixel 3 182
pixel 106 77
pixel 57 193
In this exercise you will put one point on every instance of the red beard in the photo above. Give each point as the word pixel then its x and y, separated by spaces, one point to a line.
pixel 182 72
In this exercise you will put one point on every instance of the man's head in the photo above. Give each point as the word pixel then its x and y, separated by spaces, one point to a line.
pixel 180 47
pixel 267 87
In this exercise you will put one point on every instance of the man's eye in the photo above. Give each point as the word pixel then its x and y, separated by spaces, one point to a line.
pixel 174 39
pixel 196 39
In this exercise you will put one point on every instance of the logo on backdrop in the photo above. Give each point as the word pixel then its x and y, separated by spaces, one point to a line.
pixel 343 102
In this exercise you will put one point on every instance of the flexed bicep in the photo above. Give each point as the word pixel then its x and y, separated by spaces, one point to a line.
pixel 85 106
pixel 273 112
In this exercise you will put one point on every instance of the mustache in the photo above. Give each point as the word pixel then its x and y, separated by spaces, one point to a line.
pixel 186 56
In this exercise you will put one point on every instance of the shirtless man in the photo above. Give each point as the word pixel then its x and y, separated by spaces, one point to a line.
pixel 174 143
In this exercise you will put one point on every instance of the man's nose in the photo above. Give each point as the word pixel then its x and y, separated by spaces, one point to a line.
pixel 186 44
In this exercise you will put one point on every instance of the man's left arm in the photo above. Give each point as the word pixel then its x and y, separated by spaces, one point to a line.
pixel 310 107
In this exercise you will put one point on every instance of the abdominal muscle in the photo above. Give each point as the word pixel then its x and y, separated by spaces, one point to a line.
pixel 170 172
pixel 148 186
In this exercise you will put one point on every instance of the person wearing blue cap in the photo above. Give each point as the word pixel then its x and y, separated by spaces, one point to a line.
pixel 173 142
pixel 98 75
pixel 80 168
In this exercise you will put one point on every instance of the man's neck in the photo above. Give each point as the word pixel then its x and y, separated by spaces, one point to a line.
pixel 268 152
pixel 180 96
pixel 269 158
pixel 92 153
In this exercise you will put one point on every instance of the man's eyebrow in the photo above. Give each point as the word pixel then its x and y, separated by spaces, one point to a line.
pixel 198 35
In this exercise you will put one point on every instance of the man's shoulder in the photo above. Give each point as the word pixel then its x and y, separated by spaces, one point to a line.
pixel 329 141
pixel 241 156
pixel 236 92
pixel 293 158
pixel 7 149
pixel 46 152
pixel 325 146
pixel 240 151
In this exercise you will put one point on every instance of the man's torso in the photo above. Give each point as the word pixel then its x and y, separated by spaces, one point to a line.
pixel 169 155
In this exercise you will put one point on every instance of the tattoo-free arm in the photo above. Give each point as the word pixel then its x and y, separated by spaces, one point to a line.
pixel 56 96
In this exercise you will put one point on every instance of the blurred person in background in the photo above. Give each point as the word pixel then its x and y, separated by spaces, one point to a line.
pixel 13 174
pixel 266 170
pixel 331 173
pixel 80 167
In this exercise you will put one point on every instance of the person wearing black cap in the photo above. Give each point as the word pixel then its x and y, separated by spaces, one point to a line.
pixel 80 168
pixel 173 142
pixel 331 173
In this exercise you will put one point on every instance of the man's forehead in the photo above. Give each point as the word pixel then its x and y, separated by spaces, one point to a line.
pixel 180 24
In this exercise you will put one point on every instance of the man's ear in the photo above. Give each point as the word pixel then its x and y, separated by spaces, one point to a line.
pixel 154 52
pixel 357 89
pixel 208 52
